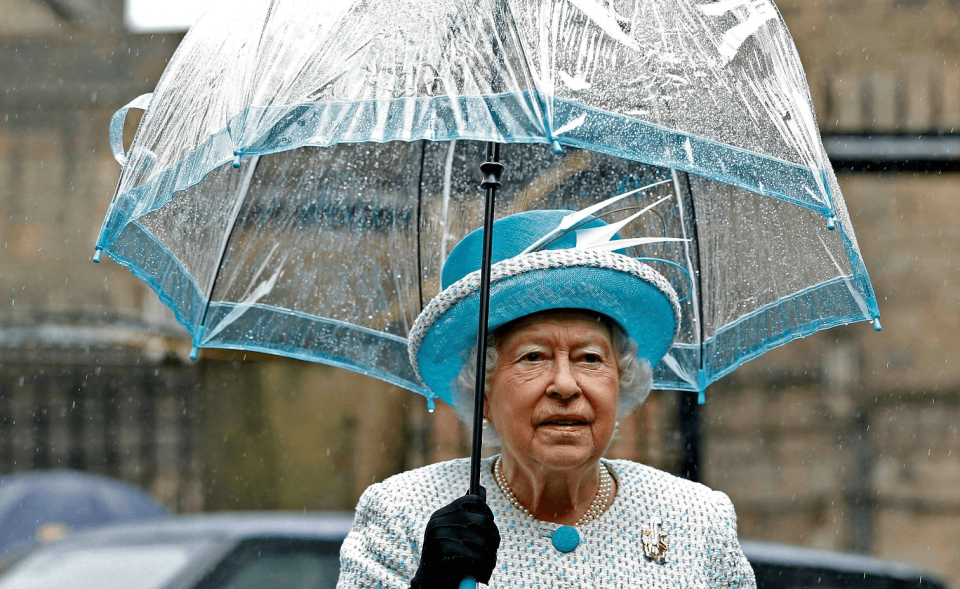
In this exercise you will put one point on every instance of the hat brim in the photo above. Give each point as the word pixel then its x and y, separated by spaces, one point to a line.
pixel 621 288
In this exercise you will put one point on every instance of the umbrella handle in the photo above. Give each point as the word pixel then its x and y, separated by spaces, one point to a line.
pixel 468 583
pixel 491 170
pixel 141 102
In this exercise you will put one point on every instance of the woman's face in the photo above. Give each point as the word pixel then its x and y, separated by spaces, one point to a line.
pixel 553 397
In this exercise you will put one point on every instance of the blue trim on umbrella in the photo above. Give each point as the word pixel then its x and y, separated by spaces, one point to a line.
pixel 805 302
pixel 631 139
pixel 321 358
pixel 168 269
pixel 503 118
pixel 862 279
pixel 864 286
pixel 836 289
pixel 256 329
pixel 188 310
pixel 172 271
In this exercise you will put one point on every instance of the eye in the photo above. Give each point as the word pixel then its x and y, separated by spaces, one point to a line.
pixel 533 357
pixel 592 358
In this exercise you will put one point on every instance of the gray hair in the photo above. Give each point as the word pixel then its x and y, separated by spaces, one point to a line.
pixel 636 377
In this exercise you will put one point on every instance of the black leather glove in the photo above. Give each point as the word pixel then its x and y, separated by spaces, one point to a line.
pixel 461 540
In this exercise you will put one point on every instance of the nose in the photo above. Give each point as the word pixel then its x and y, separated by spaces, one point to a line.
pixel 564 384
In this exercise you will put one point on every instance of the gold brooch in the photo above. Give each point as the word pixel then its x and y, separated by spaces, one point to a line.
pixel 654 541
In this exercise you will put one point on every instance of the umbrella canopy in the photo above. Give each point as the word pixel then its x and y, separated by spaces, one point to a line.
pixel 300 174
pixel 68 498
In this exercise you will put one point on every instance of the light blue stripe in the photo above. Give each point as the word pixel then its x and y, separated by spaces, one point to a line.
pixel 751 351
pixel 503 118
pixel 143 239
pixel 835 291
pixel 779 303
pixel 787 337
pixel 713 374
pixel 187 275
pixel 648 143
pixel 321 358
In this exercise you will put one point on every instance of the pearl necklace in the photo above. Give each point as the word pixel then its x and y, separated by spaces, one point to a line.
pixel 596 509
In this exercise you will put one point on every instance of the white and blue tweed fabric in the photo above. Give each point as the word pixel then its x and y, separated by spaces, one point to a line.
pixel 383 549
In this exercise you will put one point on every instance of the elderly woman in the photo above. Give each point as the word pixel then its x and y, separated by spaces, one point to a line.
pixel 574 336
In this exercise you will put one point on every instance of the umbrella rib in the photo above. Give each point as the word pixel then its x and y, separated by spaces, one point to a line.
pixel 244 188
pixel 526 62
pixel 423 152
pixel 689 411
pixel 698 292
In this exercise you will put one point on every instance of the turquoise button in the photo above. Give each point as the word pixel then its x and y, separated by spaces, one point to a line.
pixel 566 538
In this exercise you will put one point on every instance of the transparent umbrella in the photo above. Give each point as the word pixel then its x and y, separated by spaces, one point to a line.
pixel 301 173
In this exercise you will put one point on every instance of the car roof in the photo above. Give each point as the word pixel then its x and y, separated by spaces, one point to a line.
pixel 758 552
pixel 235 525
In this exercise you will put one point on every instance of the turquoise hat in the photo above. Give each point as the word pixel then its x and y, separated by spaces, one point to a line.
pixel 560 276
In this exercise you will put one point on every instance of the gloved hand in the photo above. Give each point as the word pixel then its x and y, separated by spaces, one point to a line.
pixel 461 540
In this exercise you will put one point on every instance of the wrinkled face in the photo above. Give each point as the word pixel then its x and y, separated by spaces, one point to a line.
pixel 553 397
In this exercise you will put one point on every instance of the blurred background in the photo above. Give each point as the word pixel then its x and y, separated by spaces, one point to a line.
pixel 847 440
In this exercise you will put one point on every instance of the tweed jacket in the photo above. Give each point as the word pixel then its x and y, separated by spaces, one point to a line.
pixel 383 548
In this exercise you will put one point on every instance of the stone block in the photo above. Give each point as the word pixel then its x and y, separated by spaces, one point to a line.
pixel 847 99
pixel 950 99
pixel 818 96
pixel 735 410
pixel 829 529
pixel 819 523
pixel 906 225
pixel 24 18
pixel 883 101
pixel 449 436
pixel 811 464
pixel 746 483
pixel 917 449
pixel 780 524
pixel 918 91
pixel 627 443
pixel 793 408
pixel 41 173
pixel 740 466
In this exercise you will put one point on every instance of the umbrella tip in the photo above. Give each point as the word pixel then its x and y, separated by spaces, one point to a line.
pixel 831 223
pixel 194 353
pixel 236 159
pixel 431 406
pixel 876 324
pixel 96 255
pixel 557 149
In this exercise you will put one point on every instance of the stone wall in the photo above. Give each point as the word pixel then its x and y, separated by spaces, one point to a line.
pixel 282 434
pixel 849 439
pixel 880 65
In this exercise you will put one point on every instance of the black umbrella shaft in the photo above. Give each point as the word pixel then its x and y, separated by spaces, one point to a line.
pixel 491 170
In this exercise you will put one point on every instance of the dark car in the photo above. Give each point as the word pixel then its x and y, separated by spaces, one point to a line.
pixel 782 566
pixel 209 551
pixel 301 550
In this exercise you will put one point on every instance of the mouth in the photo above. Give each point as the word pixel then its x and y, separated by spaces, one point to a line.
pixel 564 421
